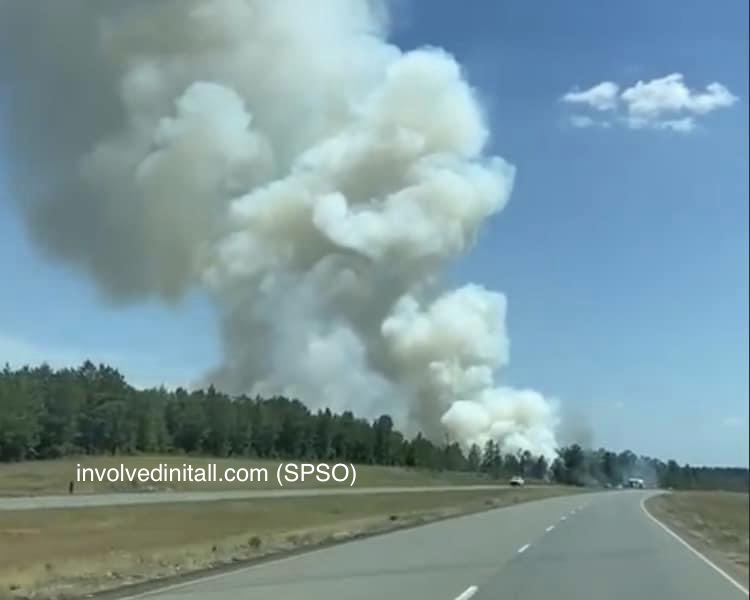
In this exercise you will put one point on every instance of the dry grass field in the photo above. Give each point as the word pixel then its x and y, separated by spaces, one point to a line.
pixel 52 476
pixel 74 551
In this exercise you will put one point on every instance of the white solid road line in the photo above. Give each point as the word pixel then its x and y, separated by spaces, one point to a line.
pixel 523 548
pixel 468 593
pixel 706 560
pixel 550 528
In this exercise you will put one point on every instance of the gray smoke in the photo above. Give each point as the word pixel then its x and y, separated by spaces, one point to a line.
pixel 284 156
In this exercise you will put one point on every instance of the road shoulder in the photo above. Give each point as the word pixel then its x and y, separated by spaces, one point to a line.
pixel 658 509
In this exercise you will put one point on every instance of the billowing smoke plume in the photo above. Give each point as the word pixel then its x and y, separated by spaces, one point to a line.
pixel 313 177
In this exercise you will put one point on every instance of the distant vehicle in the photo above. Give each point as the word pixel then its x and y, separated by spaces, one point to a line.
pixel 517 481
pixel 636 482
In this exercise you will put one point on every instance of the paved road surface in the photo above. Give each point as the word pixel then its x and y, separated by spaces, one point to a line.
pixel 90 500
pixel 593 547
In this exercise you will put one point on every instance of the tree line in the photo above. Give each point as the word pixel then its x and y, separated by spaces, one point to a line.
pixel 89 410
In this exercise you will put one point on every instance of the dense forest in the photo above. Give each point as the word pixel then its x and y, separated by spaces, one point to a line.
pixel 46 413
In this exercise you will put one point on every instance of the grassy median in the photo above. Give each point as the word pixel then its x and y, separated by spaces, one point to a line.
pixel 75 551
pixel 53 476
pixel 716 523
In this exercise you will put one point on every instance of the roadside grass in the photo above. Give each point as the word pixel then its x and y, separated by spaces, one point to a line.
pixel 715 523
pixel 66 553
pixel 52 476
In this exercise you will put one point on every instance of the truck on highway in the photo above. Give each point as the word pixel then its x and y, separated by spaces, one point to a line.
pixel 636 482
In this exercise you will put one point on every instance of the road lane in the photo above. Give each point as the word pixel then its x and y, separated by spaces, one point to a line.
pixel 92 500
pixel 569 548
pixel 437 561
pixel 609 550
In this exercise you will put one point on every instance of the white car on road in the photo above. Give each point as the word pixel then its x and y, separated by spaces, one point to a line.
pixel 517 481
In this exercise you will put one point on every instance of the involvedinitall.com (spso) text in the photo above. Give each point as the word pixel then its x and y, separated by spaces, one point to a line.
pixel 285 473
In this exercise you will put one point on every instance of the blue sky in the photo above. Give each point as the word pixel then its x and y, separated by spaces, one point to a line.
pixel 623 252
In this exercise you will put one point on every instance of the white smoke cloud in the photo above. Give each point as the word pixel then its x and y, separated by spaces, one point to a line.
pixel 313 177
pixel 522 419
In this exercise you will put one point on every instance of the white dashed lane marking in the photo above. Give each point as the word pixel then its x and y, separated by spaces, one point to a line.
pixel 467 593
pixel 523 548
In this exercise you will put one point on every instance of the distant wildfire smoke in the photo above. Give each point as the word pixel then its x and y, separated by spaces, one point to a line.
pixel 282 154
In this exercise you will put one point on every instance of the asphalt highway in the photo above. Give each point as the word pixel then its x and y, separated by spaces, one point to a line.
pixel 585 547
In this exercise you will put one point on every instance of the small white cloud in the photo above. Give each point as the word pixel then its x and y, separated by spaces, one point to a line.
pixel 685 125
pixel 664 103
pixel 619 405
pixel 734 422
pixel 17 353
pixel 602 96
pixel 142 371
pixel 669 95
pixel 584 122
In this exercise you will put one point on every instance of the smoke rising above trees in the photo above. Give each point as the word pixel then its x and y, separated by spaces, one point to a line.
pixel 314 179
